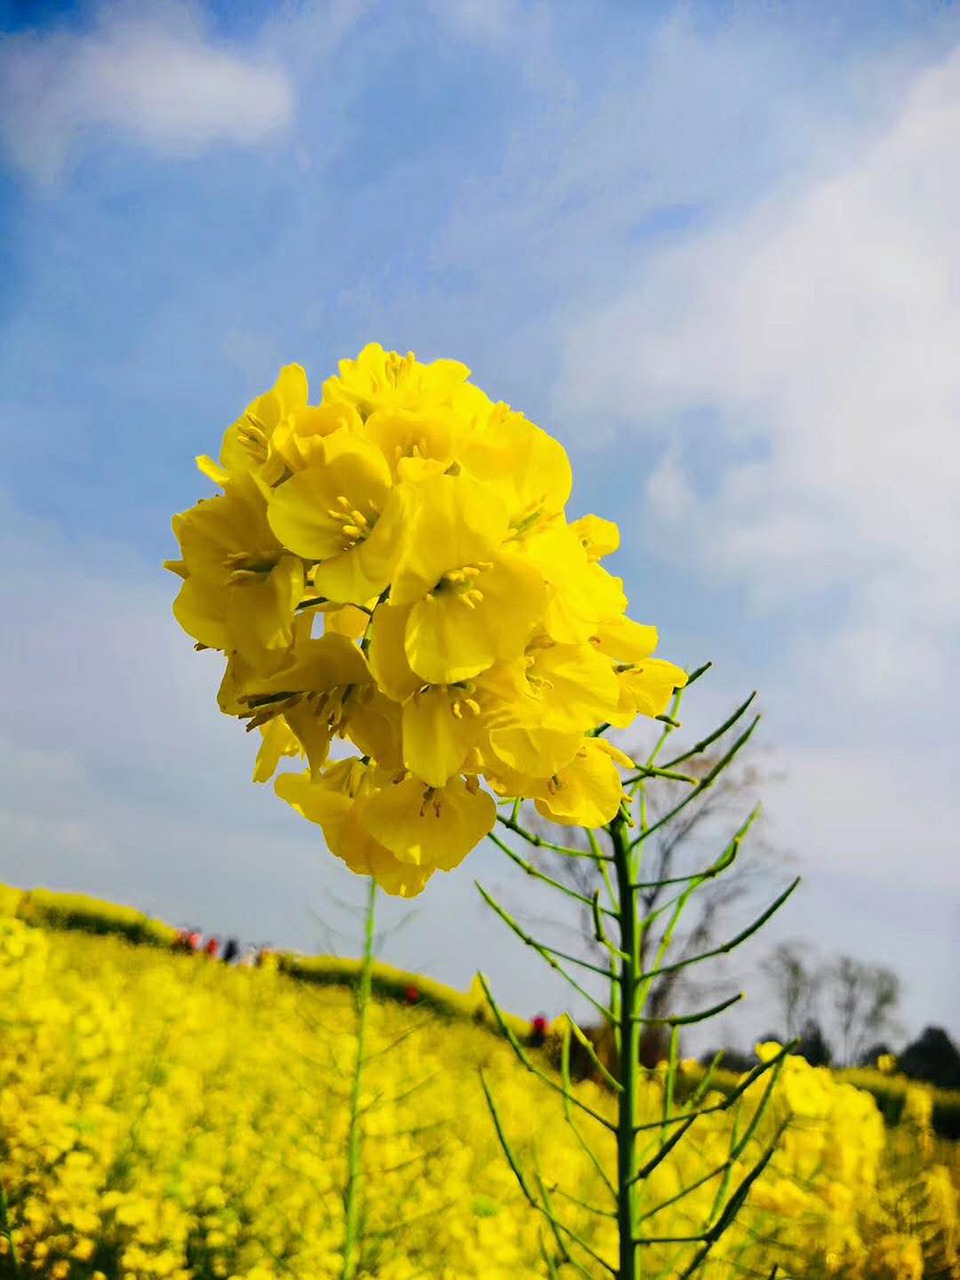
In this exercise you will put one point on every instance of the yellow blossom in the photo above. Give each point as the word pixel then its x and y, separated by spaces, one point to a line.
pixel 529 470
pixel 394 566
pixel 337 802
pixel 380 379
pixel 588 791
pixel 343 513
pixel 241 587
pixel 315 693
pixel 429 827
pixel 246 444
pixel 598 537
pixel 473 602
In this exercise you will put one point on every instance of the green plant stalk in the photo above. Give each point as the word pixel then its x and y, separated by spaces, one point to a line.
pixel 625 861
pixel 629 991
pixel 352 1195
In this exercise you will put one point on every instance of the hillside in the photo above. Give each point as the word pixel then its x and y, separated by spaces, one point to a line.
pixel 163 1115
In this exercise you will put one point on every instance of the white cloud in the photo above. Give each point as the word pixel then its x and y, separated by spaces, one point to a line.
pixel 486 21
pixel 670 120
pixel 503 25
pixel 823 328
pixel 147 72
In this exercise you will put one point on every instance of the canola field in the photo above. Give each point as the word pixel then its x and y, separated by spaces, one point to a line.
pixel 162 1115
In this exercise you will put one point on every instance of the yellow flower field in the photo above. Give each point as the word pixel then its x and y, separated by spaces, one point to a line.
pixel 163 1115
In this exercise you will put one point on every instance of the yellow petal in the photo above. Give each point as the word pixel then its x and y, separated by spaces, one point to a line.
pixel 201 608
pixel 386 653
pixel 506 782
pixel 319 665
pixel 240 675
pixel 350 621
pixel 330 800
pixel 231 689
pixel 218 533
pixel 578 687
pixel 305 511
pixel 316 802
pixel 453 636
pixel 374 727
pixel 366 569
pixel 406 437
pixel 278 741
pixel 436 739
pixel 246 444
pixel 533 750
pixel 579 593
pixel 212 470
pixel 291 387
pixel 380 379
pixel 442 646
pixel 260 611
pixel 298 439
pixel 313 735
pixel 453 522
pixel 429 827
pixel 628 641
pixel 399 879
pixel 646 689
pixel 598 537
pixel 507 696
pixel 528 467
pixel 335 802
pixel 587 793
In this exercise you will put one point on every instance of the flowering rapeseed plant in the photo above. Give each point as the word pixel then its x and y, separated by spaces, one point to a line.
pixel 394 567
pixel 167 1118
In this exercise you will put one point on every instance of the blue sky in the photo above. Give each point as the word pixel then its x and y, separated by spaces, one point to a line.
pixel 713 249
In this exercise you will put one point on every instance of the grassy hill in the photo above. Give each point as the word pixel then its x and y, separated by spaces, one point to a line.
pixel 163 1115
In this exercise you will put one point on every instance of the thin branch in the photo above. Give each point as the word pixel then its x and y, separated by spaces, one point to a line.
pixel 706 781
pixel 568 1115
pixel 687 1019
pixel 652 771
pixel 546 953
pixel 701 746
pixel 522 1182
pixel 538 842
pixel 726 947
pixel 532 1068
pixel 537 874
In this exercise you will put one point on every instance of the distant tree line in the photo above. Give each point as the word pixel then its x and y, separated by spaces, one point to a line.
pixel 843 1013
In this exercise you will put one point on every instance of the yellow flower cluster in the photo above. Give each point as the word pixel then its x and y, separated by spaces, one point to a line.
pixel 875 1200
pixel 211 1140
pixel 394 567
pixel 163 1117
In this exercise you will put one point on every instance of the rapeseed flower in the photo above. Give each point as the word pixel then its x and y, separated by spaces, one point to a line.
pixel 156 1160
pixel 394 568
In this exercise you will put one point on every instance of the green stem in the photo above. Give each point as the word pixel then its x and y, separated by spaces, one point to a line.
pixel 626 860
pixel 352 1200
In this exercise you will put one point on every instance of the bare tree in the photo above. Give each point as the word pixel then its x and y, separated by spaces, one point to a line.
pixel 796 983
pixel 864 998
